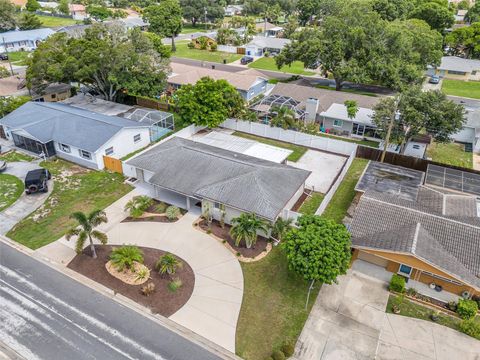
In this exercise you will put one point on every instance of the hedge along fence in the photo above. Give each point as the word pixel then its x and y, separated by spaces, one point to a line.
pixel 295 137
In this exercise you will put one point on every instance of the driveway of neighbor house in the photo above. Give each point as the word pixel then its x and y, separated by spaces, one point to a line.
pixel 26 203
pixel 212 310
pixel 348 321
pixel 324 167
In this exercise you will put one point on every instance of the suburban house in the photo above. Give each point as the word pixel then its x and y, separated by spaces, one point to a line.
pixel 48 5
pixel 74 31
pixel 203 39
pixel 53 93
pixel 27 40
pixel 428 234
pixel 470 133
pixel 247 82
pixel 223 181
pixel 275 31
pixel 457 68
pixel 78 11
pixel 77 135
pixel 233 10
pixel 261 45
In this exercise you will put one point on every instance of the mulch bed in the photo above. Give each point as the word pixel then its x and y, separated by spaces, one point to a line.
pixel 162 301
pixel 224 234
pixel 299 202
pixel 154 218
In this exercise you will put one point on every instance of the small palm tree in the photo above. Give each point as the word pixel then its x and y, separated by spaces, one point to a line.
pixel 126 256
pixel 281 227
pixel 137 205
pixel 284 117
pixel 167 264
pixel 86 230
pixel 245 227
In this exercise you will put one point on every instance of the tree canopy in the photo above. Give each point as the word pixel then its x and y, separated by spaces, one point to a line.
pixel 29 21
pixel 32 5
pixel 209 102
pixel 318 250
pixel 107 59
pixel 420 111
pixel 7 105
pixel 7 16
pixel 165 19
pixel 473 14
pixel 437 16
pixel 194 10
pixel 393 9
pixel 465 41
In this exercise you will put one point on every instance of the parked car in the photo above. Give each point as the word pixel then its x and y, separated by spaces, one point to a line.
pixel 3 56
pixel 36 181
pixel 245 60
pixel 3 165
pixel 434 79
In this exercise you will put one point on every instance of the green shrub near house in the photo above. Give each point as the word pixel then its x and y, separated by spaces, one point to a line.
pixel 397 284
pixel 471 328
pixel 467 309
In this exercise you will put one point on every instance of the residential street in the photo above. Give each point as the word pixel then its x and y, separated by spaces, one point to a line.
pixel 46 315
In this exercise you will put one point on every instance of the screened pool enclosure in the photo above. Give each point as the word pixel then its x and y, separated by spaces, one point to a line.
pixel 160 122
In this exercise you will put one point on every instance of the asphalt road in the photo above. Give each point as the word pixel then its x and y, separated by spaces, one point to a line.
pixel 46 315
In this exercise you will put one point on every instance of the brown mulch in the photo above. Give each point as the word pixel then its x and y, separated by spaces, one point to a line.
pixel 162 301
pixel 224 234
pixel 299 202
pixel 154 218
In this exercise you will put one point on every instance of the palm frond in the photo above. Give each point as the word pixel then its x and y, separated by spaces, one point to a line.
pixel 100 236
pixel 82 237
pixel 97 217
pixel 72 232
pixel 80 217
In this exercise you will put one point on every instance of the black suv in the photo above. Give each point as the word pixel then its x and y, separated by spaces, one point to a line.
pixel 36 181
pixel 245 60
pixel 3 56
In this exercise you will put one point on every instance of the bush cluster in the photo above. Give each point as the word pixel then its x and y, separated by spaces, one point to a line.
pixel 471 328
pixel 467 309
pixel 287 351
pixel 397 284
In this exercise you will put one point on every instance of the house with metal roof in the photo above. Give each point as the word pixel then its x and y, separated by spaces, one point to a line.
pixel 261 45
pixel 77 135
pixel 457 68
pixel 430 235
pixel 224 181
pixel 27 40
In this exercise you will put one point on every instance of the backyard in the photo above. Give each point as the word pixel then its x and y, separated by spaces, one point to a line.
pixel 53 21
pixel 18 57
pixel 450 154
pixel 311 204
pixel 338 206
pixel 183 51
pixel 11 188
pixel 268 63
pixel 75 189
pixel 468 89
pixel 273 304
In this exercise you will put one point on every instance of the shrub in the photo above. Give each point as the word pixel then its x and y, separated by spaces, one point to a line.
pixel 452 305
pixel 397 283
pixel 161 207
pixel 125 256
pixel 172 212
pixel 471 328
pixel 288 349
pixel 138 204
pixel 213 47
pixel 278 355
pixel 175 284
pixel 190 45
pixel 167 264
pixel 412 292
pixel 142 274
pixel 467 309
pixel 148 289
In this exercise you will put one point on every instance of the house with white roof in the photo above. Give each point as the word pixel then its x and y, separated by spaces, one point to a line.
pixel 457 68
pixel 233 10
pixel 261 45
pixel 27 40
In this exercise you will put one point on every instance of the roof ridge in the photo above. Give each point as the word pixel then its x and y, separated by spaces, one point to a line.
pixel 415 237
pixel 226 180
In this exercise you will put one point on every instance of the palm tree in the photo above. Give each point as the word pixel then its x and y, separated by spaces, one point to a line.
pixel 281 227
pixel 137 205
pixel 126 256
pixel 167 264
pixel 86 229
pixel 245 228
pixel 283 116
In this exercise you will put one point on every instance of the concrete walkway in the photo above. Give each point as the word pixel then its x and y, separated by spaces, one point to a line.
pixel 214 307
pixel 348 321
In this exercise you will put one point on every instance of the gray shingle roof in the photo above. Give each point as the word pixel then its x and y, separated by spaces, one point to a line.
pixel 385 222
pixel 66 124
pixel 236 180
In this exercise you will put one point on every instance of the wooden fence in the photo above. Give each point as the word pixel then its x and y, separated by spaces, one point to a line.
pixel 113 164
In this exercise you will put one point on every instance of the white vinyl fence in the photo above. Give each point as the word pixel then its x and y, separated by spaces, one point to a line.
pixel 328 197
pixel 227 48
pixel 299 138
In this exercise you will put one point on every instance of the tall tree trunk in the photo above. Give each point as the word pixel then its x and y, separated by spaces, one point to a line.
pixel 92 247
pixel 338 84
pixel 173 44
pixel 194 21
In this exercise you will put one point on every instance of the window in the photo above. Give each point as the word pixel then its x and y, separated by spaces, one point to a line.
pixel 416 147
pixel 64 148
pixel 405 270
pixel 54 96
pixel 474 72
pixel 137 138
pixel 85 154
pixel 109 151
pixel 453 72
pixel 338 123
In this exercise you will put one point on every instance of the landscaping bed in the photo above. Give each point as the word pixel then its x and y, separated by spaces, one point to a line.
pixel 11 188
pixel 224 235
pixel 163 301
pixel 155 213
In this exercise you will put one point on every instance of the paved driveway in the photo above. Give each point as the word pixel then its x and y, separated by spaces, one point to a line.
pixel 26 203
pixel 348 321
pixel 212 310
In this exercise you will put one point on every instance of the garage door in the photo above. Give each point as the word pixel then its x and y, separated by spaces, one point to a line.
pixel 372 259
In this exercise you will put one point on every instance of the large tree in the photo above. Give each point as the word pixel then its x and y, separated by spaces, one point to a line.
pixel 8 104
pixel 29 21
pixel 465 41
pixel 318 250
pixel 429 112
pixel 358 46
pixel 209 102
pixel 310 9
pixel 32 5
pixel 437 16
pixel 473 14
pixel 7 16
pixel 393 9
pixel 85 230
pixel 165 19
pixel 107 59
pixel 194 10
pixel 63 7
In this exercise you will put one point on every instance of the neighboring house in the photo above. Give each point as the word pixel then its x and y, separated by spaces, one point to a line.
pixel 470 133
pixel 132 22
pixel 233 10
pixel 203 39
pixel 261 45
pixel 276 31
pixel 53 93
pixel 247 83
pixel 431 239
pixel 417 146
pixel 27 40
pixel 457 68
pixel 74 31
pixel 220 179
pixel 20 3
pixel 48 4
pixel 460 16
pixel 73 134
pixel 78 11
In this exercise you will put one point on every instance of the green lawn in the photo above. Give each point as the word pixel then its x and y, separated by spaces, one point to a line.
pixel 18 57
pixel 183 51
pixel 75 189
pixel 52 21
pixel 268 63
pixel 370 143
pixel 297 153
pixel 415 310
pixel 13 156
pixel 469 89
pixel 451 154
pixel 273 307
pixel 338 206
pixel 11 188
pixel 190 29
pixel 311 204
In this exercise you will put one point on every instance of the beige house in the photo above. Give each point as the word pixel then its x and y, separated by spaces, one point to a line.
pixel 457 68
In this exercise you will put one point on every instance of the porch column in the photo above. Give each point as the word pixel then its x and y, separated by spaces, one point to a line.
pixel 188 203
